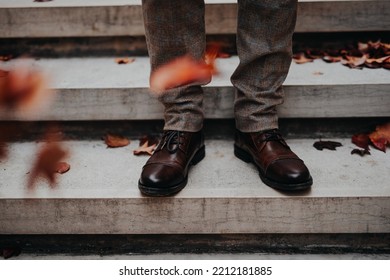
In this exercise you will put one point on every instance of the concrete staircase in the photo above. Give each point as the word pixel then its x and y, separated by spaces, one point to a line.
pixel 99 195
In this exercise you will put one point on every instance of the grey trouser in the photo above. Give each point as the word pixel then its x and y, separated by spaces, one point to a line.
pixel 264 45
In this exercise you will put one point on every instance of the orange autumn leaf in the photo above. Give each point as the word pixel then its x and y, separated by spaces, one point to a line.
pixel 181 71
pixel 150 139
pixel 145 149
pixel 124 60
pixel 380 138
pixel 116 141
pixel 46 163
pixel 300 58
pixel 23 89
pixel 185 70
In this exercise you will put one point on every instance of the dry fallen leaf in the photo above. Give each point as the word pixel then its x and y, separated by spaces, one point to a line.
pixel 145 149
pixel 380 138
pixel 386 63
pixel 332 59
pixel 116 141
pixel 330 145
pixel 300 58
pixel 124 60
pixel 318 73
pixel 62 167
pixel 46 163
pixel 151 139
pixel 354 62
pixel 361 140
pixel 360 152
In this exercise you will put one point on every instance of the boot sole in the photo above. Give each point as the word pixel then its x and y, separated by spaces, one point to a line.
pixel 148 191
pixel 246 157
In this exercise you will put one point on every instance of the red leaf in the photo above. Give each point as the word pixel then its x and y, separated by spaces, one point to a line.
pixel 330 145
pixel 62 167
pixel 381 137
pixel 116 141
pixel 361 140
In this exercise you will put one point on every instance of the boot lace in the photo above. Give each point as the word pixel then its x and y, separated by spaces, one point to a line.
pixel 172 140
pixel 273 135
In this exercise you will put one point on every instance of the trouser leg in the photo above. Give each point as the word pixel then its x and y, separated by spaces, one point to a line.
pixel 174 28
pixel 264 45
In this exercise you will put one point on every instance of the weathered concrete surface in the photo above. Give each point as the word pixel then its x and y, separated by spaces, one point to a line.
pixel 100 89
pixel 24 18
pixel 99 195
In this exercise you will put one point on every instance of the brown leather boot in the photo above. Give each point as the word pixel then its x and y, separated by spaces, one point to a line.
pixel 166 171
pixel 278 166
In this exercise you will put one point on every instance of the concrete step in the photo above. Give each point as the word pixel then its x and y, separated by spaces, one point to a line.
pixel 64 18
pixel 100 89
pixel 224 195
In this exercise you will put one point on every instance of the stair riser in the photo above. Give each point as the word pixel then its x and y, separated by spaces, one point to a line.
pixel 185 215
pixel 137 104
pixel 220 19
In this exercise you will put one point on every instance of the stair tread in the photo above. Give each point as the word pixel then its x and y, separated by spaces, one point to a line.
pixel 85 84
pixel 99 195
pixel 101 173
pixel 73 73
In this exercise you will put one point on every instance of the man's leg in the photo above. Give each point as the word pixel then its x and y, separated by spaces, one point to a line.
pixel 264 45
pixel 175 28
